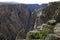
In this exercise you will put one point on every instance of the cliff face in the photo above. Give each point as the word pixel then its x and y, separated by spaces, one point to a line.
pixel 52 11
pixel 15 18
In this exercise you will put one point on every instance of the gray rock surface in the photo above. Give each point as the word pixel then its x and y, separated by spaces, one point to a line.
pixel 57 30
pixel 51 22
pixel 50 37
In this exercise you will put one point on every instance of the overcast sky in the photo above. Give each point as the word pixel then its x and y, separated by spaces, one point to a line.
pixel 29 1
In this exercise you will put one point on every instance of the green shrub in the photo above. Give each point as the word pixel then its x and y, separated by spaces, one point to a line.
pixel 44 33
pixel 39 35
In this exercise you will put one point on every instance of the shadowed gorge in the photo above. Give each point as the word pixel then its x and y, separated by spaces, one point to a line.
pixel 15 18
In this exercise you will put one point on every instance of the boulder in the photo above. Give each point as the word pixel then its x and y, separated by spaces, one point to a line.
pixel 51 22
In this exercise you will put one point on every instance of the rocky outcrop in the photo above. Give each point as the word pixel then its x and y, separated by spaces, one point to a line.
pixel 56 33
pixel 49 15
pixel 50 12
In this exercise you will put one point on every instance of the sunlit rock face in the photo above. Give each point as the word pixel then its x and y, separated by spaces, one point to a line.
pixel 15 18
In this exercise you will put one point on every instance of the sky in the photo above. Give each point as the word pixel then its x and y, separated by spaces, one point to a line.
pixel 29 1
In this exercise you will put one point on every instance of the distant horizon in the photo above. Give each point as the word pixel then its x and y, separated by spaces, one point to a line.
pixel 21 3
pixel 29 1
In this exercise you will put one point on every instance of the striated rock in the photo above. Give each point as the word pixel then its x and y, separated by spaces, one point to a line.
pixel 15 18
